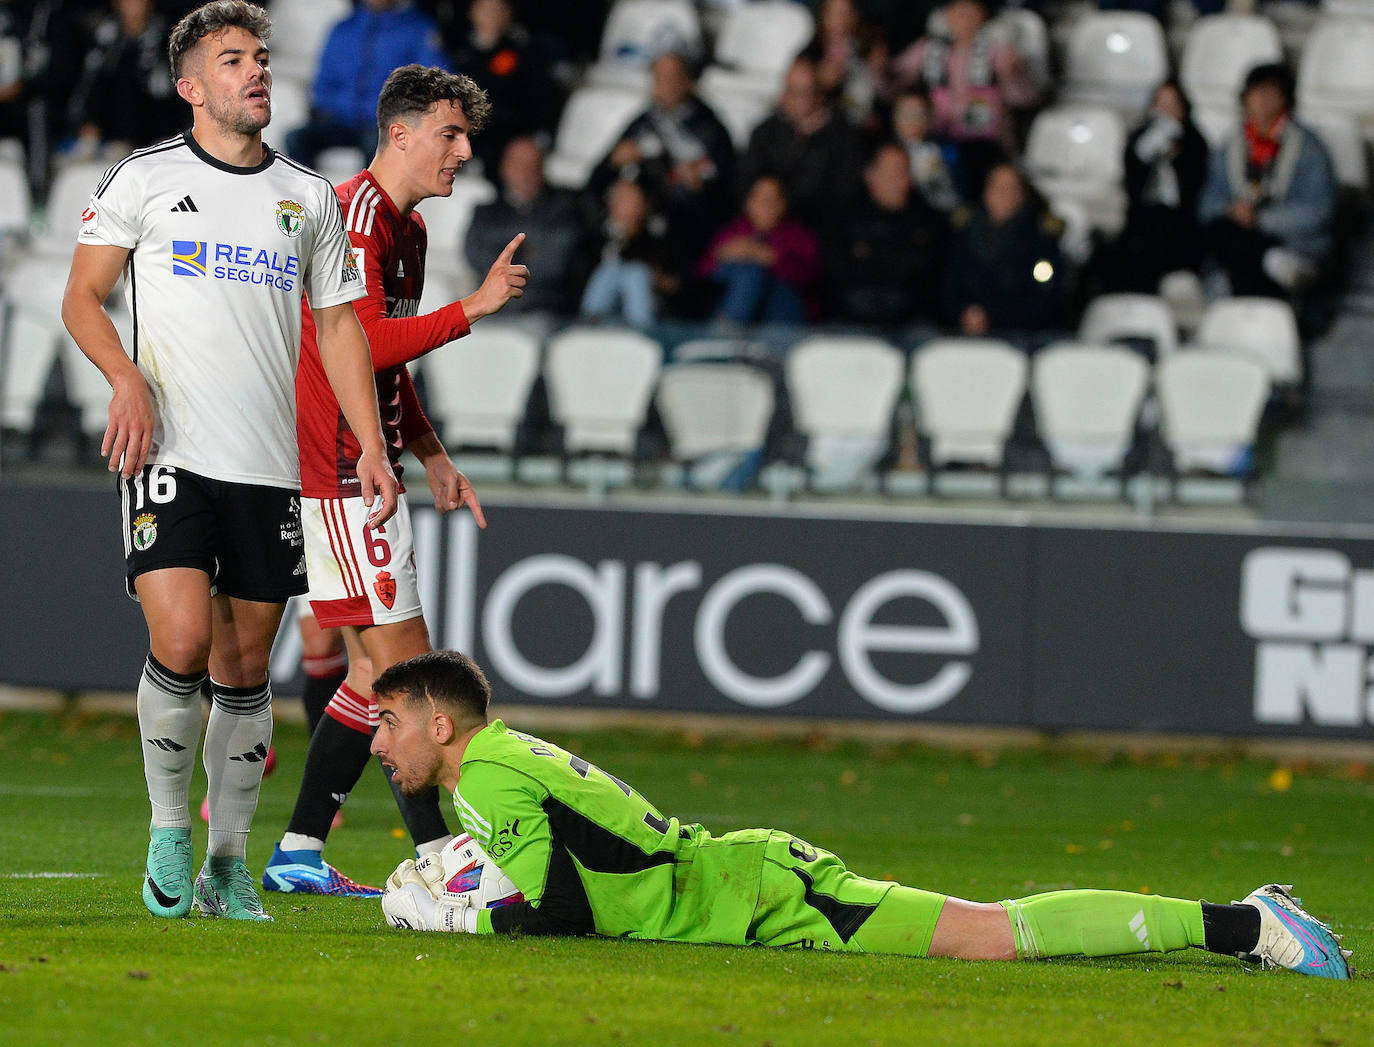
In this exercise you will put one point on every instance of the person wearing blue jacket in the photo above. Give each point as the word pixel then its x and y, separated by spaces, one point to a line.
pixel 1268 204
pixel 358 56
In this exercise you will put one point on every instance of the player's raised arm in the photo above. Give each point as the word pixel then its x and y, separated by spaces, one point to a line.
pixel 129 434
pixel 348 365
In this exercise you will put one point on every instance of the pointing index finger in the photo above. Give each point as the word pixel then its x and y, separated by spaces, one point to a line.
pixel 509 252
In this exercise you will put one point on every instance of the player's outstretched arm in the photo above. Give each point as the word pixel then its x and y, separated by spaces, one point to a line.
pixel 451 489
pixel 129 434
pixel 348 365
pixel 505 280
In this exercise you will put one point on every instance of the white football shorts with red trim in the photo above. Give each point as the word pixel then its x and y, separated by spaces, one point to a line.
pixel 359 575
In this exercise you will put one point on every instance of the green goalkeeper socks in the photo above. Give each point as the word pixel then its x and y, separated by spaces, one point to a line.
pixel 1102 923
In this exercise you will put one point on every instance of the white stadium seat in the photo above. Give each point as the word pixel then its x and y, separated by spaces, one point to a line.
pixel 1335 72
pixel 477 387
pixel 967 393
pixel 591 122
pixel 1111 317
pixel 1087 399
pixel 16 205
pixel 1220 50
pixel 1210 403
pixel 739 111
pixel 599 382
pixel 71 191
pixel 1263 329
pixel 1340 133
pixel 714 408
pixel 1074 153
pixel 637 32
pixel 756 44
pixel 843 390
pixel 299 30
pixel 1115 58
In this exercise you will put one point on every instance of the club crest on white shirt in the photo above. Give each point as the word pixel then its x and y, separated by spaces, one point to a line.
pixel 290 217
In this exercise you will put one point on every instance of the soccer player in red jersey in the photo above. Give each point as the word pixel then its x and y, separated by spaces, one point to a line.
pixel 363 578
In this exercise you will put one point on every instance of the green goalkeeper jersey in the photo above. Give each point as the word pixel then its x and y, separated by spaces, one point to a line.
pixel 590 854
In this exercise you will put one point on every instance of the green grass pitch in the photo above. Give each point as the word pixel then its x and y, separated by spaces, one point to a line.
pixel 81 962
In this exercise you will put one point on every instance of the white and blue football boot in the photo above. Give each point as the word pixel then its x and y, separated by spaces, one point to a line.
pixel 1292 938
pixel 306 872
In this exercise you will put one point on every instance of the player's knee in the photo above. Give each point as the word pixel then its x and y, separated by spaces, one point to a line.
pixel 185 652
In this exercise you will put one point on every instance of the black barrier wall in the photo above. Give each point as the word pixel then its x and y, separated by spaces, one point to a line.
pixel 1057 627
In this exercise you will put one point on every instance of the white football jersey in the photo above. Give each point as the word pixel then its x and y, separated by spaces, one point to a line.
pixel 219 258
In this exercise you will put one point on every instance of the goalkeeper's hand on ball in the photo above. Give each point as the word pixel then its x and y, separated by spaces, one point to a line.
pixel 414 898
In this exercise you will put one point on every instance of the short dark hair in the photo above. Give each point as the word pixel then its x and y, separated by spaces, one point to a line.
pixel 212 18
pixel 449 678
pixel 1275 73
pixel 411 89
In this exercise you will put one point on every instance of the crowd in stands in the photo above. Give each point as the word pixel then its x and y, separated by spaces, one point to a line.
pixel 885 188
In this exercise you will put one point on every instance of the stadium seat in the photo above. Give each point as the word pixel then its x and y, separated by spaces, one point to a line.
pixel 1219 51
pixel 637 32
pixel 756 44
pixel 1028 34
pixel 1210 403
pixel 1087 399
pixel 1263 329
pixel 1335 72
pixel 299 30
pixel 843 390
pixel 967 392
pixel 447 217
pixel 1115 58
pixel 71 191
pixel 591 122
pixel 714 409
pixel 16 205
pixel 740 111
pixel 478 387
pixel 1348 8
pixel 1074 153
pixel 599 382
pixel 1113 317
pixel 290 107
pixel 1340 133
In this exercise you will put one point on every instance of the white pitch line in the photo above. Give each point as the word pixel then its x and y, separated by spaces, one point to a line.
pixel 54 876
pixel 74 791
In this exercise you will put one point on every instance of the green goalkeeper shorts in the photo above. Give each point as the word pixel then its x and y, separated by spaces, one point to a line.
pixel 807 898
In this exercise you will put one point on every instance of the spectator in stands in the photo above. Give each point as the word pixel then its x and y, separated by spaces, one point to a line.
pixel 124 98
pixel 851 59
pixel 1270 195
pixel 359 54
pixel 1004 274
pixel 883 259
pixel 550 220
pixel 515 67
pixel 933 164
pixel 975 79
pixel 1165 165
pixel 812 149
pixel 637 265
pixel 681 152
pixel 767 262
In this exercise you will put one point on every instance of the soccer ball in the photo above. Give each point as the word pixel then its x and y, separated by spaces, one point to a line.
pixel 467 871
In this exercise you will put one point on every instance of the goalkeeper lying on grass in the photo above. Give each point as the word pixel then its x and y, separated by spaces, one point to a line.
pixel 590 855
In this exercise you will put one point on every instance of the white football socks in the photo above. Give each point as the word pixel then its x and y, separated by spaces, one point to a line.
pixel 236 743
pixel 169 724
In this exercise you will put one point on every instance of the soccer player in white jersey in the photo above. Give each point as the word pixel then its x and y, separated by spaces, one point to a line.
pixel 362 577
pixel 218 237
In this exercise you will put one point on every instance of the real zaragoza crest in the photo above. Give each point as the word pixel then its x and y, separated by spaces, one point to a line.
pixel 290 217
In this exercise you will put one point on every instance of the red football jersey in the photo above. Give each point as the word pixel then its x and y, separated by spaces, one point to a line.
pixel 390 252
